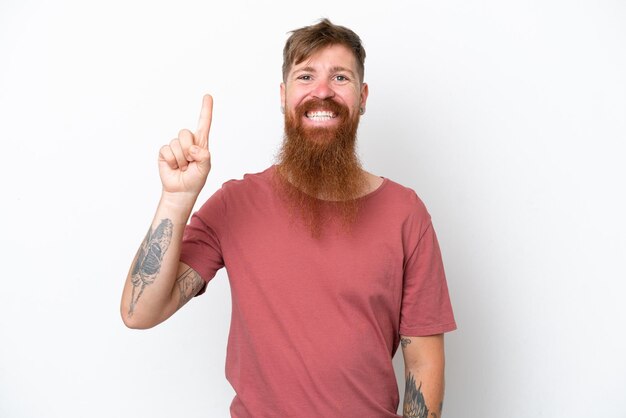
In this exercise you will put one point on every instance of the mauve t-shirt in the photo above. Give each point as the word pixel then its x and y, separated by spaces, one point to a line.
pixel 316 320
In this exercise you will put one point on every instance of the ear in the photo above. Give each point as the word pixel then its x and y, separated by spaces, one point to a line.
pixel 282 95
pixel 365 91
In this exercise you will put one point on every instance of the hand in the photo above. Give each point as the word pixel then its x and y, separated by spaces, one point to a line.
pixel 185 163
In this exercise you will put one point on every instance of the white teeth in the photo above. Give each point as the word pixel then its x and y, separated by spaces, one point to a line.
pixel 320 115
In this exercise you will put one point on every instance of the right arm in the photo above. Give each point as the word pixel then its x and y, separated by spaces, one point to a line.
pixel 158 284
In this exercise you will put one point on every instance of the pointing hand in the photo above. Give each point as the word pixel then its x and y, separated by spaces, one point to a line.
pixel 185 163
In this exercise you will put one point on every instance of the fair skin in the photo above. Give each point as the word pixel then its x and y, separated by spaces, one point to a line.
pixel 330 73
pixel 424 363
pixel 158 284
pixel 152 294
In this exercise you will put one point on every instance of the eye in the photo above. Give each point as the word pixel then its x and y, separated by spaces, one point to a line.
pixel 341 78
pixel 305 77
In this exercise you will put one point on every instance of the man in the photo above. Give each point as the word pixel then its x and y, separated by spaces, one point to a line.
pixel 330 267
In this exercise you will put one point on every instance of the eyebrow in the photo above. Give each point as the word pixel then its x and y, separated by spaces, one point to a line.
pixel 335 69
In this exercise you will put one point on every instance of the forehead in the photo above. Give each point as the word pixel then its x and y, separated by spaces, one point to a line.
pixel 331 56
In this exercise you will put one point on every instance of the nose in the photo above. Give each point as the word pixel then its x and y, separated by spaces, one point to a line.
pixel 323 90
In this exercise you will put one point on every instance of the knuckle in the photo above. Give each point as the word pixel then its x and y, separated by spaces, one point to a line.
pixel 184 133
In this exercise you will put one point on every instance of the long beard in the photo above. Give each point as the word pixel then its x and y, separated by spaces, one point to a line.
pixel 319 169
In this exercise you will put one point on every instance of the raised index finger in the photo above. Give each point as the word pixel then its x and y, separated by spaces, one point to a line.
pixel 204 123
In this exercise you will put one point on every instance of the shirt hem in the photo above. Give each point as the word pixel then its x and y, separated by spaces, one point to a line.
pixel 426 331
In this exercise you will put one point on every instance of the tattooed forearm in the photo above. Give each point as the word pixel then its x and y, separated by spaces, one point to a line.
pixel 148 261
pixel 414 403
pixel 189 284
pixel 405 341
pixel 437 415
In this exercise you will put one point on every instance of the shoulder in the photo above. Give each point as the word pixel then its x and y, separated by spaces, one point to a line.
pixel 235 191
pixel 403 199
pixel 250 183
pixel 411 212
pixel 250 180
pixel 250 191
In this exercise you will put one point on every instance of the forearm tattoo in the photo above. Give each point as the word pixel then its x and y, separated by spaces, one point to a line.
pixel 414 403
pixel 149 258
pixel 189 284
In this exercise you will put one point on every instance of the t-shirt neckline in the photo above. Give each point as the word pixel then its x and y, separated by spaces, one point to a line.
pixel 272 170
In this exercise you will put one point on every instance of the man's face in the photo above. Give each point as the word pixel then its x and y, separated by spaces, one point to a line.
pixel 322 97
pixel 323 91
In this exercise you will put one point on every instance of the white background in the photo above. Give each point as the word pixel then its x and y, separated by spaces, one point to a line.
pixel 507 117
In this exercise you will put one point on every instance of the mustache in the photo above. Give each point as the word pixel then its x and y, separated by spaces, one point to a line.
pixel 323 104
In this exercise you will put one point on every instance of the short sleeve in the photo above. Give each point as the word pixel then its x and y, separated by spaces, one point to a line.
pixel 426 308
pixel 201 249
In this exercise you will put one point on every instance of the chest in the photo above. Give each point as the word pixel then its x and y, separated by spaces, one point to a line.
pixel 276 257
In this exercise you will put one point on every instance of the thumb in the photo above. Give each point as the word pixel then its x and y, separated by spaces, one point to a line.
pixel 201 156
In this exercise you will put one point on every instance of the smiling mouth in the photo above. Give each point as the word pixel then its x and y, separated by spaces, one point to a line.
pixel 320 116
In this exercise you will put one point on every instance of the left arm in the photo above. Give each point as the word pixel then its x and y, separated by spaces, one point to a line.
pixel 424 362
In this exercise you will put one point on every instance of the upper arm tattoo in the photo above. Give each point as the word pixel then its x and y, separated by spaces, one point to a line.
pixel 405 341
pixel 149 258
pixel 189 284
